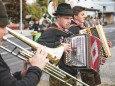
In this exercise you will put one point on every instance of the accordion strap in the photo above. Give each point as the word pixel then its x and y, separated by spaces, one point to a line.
pixel 54 27
pixel 73 25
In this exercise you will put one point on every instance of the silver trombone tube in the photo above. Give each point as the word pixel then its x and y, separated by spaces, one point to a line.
pixel 17 55
pixel 56 75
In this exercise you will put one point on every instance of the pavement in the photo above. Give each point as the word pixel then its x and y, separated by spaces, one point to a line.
pixel 109 26
pixel 26 32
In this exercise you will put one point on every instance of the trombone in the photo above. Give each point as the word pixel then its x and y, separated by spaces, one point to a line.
pixel 53 56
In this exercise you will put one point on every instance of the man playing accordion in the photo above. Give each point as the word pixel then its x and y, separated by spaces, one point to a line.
pixel 77 24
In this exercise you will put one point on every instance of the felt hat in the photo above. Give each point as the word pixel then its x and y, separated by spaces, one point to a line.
pixel 3 15
pixel 63 9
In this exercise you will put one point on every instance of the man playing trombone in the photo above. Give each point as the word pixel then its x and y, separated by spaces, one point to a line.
pixel 27 77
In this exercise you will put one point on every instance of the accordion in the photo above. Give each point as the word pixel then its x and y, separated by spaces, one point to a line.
pixel 99 32
pixel 85 52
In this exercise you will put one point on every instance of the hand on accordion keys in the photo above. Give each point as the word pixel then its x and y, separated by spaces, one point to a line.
pixel 103 58
pixel 67 47
pixel 109 43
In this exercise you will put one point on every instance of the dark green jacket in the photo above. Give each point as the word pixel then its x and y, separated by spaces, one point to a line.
pixel 7 79
pixel 51 38
pixel 74 28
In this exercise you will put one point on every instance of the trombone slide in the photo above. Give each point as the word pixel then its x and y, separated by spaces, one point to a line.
pixel 54 55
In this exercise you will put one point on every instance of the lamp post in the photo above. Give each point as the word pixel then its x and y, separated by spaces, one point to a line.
pixel 102 16
pixel 114 14
pixel 21 16
pixel 104 8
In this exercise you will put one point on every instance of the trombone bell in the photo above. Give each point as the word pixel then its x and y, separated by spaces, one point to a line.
pixel 54 54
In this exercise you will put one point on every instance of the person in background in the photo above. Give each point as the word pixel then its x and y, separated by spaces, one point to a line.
pixel 37 30
pixel 54 36
pixel 45 24
pixel 28 76
pixel 78 19
pixel 31 23
pixel 41 19
pixel 36 25
pixel 87 22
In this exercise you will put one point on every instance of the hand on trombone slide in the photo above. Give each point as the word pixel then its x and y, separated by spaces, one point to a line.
pixel 38 60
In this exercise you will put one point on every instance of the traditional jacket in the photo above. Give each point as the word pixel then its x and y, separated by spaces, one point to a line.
pixel 75 28
pixel 7 79
pixel 52 38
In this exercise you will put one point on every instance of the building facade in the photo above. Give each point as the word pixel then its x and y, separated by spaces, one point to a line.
pixel 106 8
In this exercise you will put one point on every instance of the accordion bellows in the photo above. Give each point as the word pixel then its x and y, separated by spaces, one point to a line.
pixel 98 31
pixel 85 52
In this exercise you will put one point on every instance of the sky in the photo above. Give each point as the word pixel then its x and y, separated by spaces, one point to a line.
pixel 30 1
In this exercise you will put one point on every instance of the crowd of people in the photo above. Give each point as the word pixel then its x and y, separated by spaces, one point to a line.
pixel 67 20
pixel 92 21
pixel 39 26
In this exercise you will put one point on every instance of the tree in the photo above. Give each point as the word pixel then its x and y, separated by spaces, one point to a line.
pixel 13 9
pixel 38 8
pixel 34 10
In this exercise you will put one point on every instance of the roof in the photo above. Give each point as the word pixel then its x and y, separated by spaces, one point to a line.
pixel 92 9
pixel 107 12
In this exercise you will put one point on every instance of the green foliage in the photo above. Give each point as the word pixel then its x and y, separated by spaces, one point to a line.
pixel 42 2
pixel 34 10
pixel 38 8
pixel 13 9
pixel 61 1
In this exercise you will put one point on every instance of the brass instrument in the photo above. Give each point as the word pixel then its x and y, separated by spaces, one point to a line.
pixel 52 52
pixel 53 56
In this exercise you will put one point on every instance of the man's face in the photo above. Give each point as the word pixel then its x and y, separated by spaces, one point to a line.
pixel 3 32
pixel 64 21
pixel 81 16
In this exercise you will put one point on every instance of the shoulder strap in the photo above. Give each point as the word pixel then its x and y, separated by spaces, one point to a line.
pixel 54 27
pixel 73 25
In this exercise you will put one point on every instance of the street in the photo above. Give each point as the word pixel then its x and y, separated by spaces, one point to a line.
pixel 107 71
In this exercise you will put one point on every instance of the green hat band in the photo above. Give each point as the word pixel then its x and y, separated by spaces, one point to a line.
pixel 67 11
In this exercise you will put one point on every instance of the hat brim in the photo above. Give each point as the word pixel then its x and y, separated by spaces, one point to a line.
pixel 63 12
pixel 3 21
pixel 55 14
